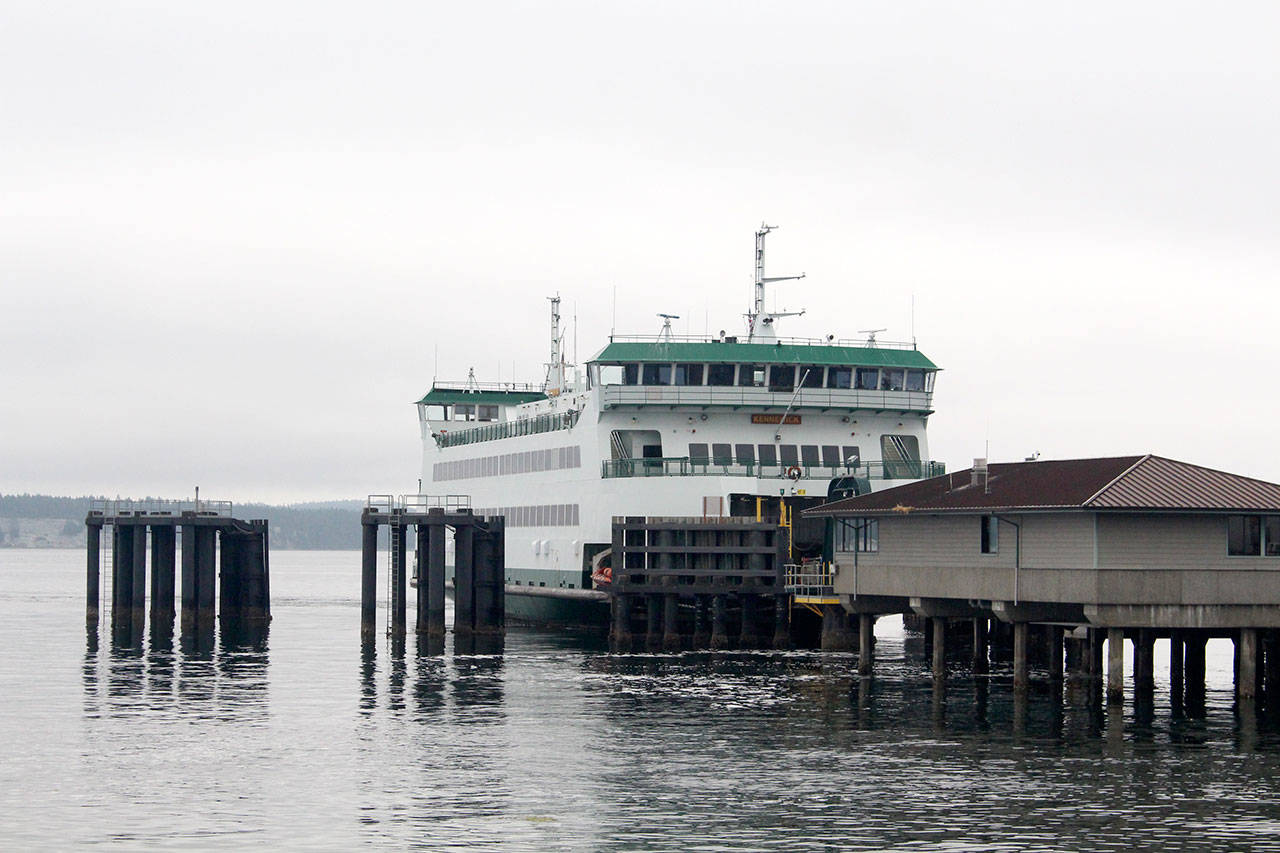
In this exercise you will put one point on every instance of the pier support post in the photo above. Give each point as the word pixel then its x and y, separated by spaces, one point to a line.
pixel 138 606
pixel 1056 651
pixel 1021 669
pixel 464 578
pixel 188 594
pixel 435 571
pixel 835 629
pixel 368 577
pixel 1144 661
pixel 1194 642
pixel 701 622
pixel 866 643
pixel 1271 670
pixel 121 577
pixel 1247 674
pixel 1177 656
pixel 1115 666
pixel 206 575
pixel 164 542
pixel 980 661
pixel 782 622
pixel 719 622
pixel 490 577
pixel 653 623
pixel 671 641
pixel 622 624
pixel 93 573
pixel 229 570
pixel 939 624
pixel 749 636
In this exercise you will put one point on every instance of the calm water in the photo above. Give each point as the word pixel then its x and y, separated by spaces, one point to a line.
pixel 554 745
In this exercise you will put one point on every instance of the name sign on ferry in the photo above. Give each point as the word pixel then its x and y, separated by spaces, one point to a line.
pixel 775 419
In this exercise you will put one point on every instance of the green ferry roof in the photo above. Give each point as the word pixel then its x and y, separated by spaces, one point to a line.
pixel 759 353
pixel 449 396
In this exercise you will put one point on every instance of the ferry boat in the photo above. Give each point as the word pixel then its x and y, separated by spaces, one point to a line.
pixel 669 425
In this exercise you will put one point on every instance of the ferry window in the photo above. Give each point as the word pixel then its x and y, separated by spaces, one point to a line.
pixel 782 377
pixel 611 374
pixel 990 534
pixel 698 454
pixel 809 454
pixel 1244 535
pixel 488 413
pixel 852 457
pixel 768 454
pixel 839 377
pixel 657 374
pixel 928 380
pixel 868 379
pixel 811 377
pixel 750 374
pixel 891 379
pixel 830 455
pixel 915 380
pixel 746 454
pixel 721 374
pixel 788 455
pixel 630 374
pixel 688 374
pixel 720 454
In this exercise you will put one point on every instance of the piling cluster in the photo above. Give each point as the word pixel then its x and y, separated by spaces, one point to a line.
pixel 698 583
pixel 479 569
pixel 214 548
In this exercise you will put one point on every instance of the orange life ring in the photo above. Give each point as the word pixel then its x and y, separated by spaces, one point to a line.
pixel 793 472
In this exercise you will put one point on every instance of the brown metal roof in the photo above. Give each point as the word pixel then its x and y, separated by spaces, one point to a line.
pixel 1150 483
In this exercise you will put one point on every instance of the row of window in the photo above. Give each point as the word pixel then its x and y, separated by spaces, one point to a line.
pixel 1253 535
pixel 525 462
pixel 829 455
pixel 545 515
pixel 508 429
pixel 776 377
pixel 857 534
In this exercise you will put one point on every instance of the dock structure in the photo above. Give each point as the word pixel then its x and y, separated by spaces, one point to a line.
pixel 1073 559
pixel 479 559
pixel 213 543
pixel 697 583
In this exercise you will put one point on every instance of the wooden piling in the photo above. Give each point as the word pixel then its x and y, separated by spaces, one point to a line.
pixel 719 622
pixel 671 641
pixel 121 577
pixel 93 573
pixel 653 623
pixel 622 640
pixel 782 622
pixel 701 622
pixel 368 578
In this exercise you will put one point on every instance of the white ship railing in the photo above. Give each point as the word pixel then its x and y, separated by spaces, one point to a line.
pixel 860 343
pixel 812 580
pixel 158 507
pixel 730 395
pixel 683 466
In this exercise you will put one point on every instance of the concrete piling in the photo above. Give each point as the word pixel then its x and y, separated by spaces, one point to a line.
pixel 980 661
pixel 1021 673
pixel 1247 672
pixel 1115 666
pixel 719 622
pixel 435 572
pixel 1144 673
pixel 1056 651
pixel 866 643
pixel 1194 643
pixel 164 541
pixel 464 578
pixel 93 573
pixel 671 639
pixel 939 625
pixel 622 640
pixel 653 623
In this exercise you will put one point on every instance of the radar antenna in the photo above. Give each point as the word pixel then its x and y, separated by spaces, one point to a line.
pixel 871 335
pixel 760 322
pixel 665 334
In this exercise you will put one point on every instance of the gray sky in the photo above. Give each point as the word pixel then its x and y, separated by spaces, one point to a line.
pixel 233 236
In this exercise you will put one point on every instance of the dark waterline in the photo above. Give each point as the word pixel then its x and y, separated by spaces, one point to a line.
pixel 307 740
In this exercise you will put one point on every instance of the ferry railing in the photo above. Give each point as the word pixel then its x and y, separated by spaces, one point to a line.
pixel 684 466
pixel 521 387
pixel 811 579
pixel 159 507
pixel 416 504
pixel 764 397
pixel 859 343
pixel 532 425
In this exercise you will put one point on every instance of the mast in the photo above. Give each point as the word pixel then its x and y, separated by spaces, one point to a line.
pixel 555 368
pixel 760 322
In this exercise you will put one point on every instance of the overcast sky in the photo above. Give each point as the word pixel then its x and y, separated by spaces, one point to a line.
pixel 234 236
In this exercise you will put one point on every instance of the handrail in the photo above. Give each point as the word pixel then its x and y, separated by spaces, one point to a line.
pixel 860 343
pixel 521 387
pixel 684 466
pixel 158 506
pixel 416 503
pixel 810 578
